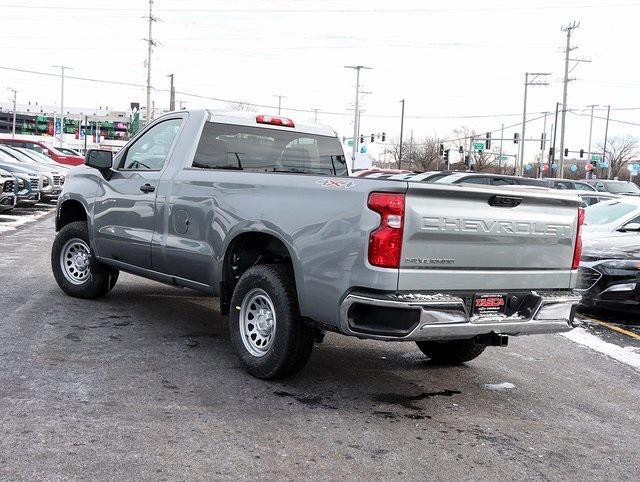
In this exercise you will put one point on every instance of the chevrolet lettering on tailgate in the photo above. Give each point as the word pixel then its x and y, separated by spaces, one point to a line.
pixel 494 226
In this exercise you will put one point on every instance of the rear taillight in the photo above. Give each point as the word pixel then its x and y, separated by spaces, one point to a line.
pixel 577 252
pixel 385 243
pixel 276 121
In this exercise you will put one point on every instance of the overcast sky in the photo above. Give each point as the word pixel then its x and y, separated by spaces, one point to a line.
pixel 447 59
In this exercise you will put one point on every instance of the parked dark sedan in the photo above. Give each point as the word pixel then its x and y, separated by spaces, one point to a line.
pixel 616 187
pixel 609 275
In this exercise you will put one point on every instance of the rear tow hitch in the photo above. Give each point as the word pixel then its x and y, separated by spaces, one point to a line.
pixel 494 339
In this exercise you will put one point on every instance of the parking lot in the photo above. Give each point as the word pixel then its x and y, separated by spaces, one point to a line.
pixel 143 384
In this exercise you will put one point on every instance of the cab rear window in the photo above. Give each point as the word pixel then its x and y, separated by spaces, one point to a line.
pixel 256 149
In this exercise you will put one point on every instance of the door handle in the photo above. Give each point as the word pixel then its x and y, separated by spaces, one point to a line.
pixel 147 188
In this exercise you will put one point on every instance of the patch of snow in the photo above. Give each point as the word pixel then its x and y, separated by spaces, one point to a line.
pixel 9 222
pixel 499 386
pixel 627 355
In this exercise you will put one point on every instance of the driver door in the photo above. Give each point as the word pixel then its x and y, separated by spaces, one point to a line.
pixel 124 210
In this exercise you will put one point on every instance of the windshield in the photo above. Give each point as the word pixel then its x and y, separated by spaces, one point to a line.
pixel 67 151
pixel 36 156
pixel 20 156
pixel 607 212
pixel 226 146
pixel 623 188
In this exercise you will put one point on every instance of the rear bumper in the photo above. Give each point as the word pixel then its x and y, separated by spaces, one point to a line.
pixel 422 316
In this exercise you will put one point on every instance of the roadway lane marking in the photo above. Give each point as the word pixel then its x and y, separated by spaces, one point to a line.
pixel 613 327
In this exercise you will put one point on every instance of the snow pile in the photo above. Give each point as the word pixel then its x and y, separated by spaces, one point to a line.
pixel 499 386
pixel 626 355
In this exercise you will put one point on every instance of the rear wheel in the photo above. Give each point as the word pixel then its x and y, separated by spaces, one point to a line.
pixel 453 352
pixel 265 326
pixel 76 271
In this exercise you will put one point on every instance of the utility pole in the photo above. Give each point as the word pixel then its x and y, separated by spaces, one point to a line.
pixel 543 145
pixel 86 132
pixel 527 83
pixel 315 115
pixel 62 69
pixel 172 94
pixel 552 158
pixel 604 147
pixel 15 98
pixel 280 97
pixel 357 68
pixel 401 134
pixel 569 28
pixel 150 44
pixel 590 131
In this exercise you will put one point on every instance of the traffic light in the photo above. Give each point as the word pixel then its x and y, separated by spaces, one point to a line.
pixel 372 138
pixel 466 160
pixel 441 149
pixel 566 151
pixel 551 153
pixel 487 143
pixel 460 149
pixel 516 138
pixel 383 136
pixel 542 137
pixel 361 139
pixel 446 156
pixel 581 153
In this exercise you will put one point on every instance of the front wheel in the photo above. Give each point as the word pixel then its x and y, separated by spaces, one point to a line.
pixel 76 271
pixel 453 352
pixel 265 326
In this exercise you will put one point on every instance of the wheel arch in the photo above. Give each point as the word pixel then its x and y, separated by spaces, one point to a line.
pixel 69 211
pixel 250 248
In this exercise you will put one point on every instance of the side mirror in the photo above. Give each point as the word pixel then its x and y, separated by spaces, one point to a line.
pixel 630 227
pixel 99 159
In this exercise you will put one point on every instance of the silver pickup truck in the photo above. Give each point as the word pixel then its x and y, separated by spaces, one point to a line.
pixel 260 212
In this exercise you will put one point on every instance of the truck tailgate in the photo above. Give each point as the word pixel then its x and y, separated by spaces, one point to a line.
pixel 486 238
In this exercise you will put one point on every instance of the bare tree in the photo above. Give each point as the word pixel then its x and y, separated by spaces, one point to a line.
pixel 424 155
pixel 620 151
pixel 417 154
pixel 482 160
pixel 241 107
pixel 392 150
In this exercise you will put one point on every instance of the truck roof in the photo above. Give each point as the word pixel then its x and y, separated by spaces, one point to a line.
pixel 250 119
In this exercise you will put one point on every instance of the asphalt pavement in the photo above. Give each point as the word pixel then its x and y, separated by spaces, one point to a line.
pixel 143 384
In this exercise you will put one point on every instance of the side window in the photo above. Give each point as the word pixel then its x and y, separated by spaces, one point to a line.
pixel 150 151
pixel 635 220
pixel 563 185
pixel 476 180
pixel 583 187
pixel 600 186
pixel 503 181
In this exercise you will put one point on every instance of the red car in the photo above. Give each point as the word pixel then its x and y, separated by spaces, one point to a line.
pixel 45 149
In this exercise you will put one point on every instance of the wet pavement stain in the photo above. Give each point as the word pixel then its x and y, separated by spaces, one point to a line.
pixel 311 401
pixel 407 401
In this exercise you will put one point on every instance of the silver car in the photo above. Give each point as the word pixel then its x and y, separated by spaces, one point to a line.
pixel 615 216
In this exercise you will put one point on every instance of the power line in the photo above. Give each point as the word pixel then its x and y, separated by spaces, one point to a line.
pixel 610 119
pixel 335 10
pixel 295 109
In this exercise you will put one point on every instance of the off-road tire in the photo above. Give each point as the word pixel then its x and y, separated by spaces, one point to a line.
pixel 101 278
pixel 293 339
pixel 454 352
